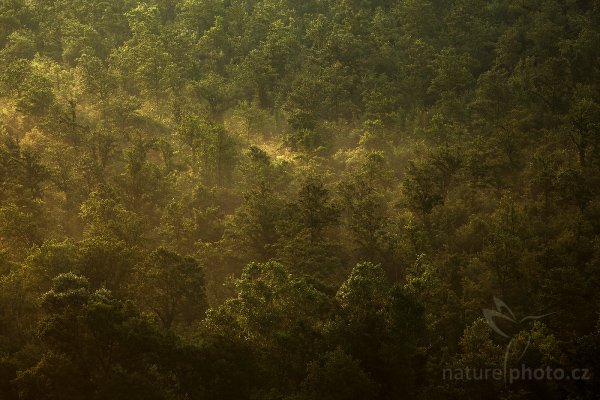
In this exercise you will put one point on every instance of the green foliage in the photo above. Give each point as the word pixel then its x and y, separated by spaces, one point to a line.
pixel 97 339
pixel 276 314
pixel 36 96
pixel 171 286
pixel 337 377
pixel 186 185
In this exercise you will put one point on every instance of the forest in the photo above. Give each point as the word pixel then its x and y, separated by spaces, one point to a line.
pixel 299 199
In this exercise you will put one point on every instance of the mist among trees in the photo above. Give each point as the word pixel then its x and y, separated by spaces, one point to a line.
pixel 298 200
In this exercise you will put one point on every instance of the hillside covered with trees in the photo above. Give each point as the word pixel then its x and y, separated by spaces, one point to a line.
pixel 297 200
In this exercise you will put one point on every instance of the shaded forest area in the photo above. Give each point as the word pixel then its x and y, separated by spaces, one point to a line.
pixel 296 200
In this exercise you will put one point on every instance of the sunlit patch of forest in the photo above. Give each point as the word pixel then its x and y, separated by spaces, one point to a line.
pixel 297 199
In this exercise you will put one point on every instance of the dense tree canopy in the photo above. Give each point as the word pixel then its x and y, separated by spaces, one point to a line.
pixel 284 199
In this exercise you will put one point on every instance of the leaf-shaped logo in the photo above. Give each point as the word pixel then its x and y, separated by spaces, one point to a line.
pixel 503 312
pixel 498 313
